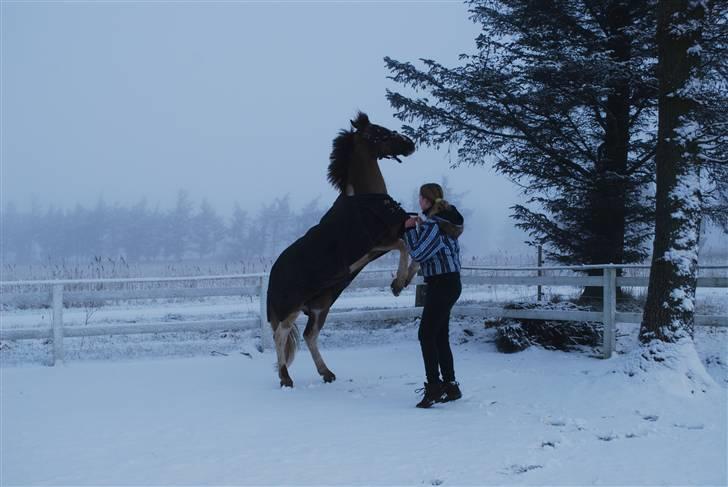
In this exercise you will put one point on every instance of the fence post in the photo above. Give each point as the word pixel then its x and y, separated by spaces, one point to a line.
pixel 57 324
pixel 609 293
pixel 266 333
pixel 420 293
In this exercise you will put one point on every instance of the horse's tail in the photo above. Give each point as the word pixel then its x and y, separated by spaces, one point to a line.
pixel 291 344
pixel 289 352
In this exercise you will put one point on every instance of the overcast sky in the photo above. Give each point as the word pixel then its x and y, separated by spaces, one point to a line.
pixel 232 101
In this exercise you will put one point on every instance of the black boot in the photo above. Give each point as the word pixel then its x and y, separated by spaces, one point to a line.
pixel 433 393
pixel 452 391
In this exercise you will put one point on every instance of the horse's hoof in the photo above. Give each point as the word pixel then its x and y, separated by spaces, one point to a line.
pixel 286 383
pixel 396 288
pixel 329 377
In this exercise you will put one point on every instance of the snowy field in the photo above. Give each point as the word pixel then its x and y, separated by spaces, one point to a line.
pixel 535 417
pixel 205 408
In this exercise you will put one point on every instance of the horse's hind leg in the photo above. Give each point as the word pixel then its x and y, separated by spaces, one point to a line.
pixel 316 317
pixel 286 339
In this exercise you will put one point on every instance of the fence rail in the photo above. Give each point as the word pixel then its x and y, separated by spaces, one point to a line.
pixel 57 296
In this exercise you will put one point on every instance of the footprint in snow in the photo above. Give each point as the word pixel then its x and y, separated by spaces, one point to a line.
pixel 608 436
pixel 689 426
pixel 521 469
pixel 572 424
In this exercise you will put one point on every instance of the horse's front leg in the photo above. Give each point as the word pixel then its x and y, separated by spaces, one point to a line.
pixel 404 272
pixel 403 277
pixel 414 266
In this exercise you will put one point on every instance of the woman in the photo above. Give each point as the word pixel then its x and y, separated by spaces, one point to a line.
pixel 433 243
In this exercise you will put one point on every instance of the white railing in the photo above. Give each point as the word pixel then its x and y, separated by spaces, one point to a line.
pixel 57 295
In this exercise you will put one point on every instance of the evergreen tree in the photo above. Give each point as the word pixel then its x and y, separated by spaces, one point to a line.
pixel 307 217
pixel 178 227
pixel 73 234
pixel 237 240
pixel 116 222
pixel 710 113
pixel 52 240
pixel 96 233
pixel 260 231
pixel 273 229
pixel 15 235
pixel 560 95
pixel 207 230
pixel 282 223
pixel 136 239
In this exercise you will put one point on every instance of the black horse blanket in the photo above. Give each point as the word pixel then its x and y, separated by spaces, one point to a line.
pixel 321 258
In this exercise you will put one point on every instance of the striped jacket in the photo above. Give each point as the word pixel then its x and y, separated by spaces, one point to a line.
pixel 436 250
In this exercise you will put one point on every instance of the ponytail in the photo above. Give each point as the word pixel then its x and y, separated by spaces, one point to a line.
pixel 433 193
pixel 439 205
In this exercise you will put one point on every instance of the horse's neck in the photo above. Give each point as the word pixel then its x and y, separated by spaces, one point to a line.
pixel 365 177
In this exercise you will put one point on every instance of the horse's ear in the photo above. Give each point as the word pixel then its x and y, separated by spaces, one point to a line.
pixel 361 121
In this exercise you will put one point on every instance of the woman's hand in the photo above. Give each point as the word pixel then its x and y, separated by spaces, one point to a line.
pixel 411 222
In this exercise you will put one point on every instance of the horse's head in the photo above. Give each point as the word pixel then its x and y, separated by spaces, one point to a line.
pixel 382 142
pixel 353 164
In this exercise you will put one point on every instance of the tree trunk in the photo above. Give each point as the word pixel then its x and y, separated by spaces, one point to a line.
pixel 608 197
pixel 668 314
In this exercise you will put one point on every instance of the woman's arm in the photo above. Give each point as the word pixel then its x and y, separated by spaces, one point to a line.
pixel 423 244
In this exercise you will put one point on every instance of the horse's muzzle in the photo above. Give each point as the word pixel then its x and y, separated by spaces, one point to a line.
pixel 401 146
pixel 408 145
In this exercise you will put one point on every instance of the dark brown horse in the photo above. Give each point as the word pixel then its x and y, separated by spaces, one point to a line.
pixel 363 224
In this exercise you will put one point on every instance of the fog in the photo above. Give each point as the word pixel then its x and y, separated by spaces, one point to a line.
pixel 233 102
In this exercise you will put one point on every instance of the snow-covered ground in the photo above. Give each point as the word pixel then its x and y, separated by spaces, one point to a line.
pixel 205 408
pixel 535 417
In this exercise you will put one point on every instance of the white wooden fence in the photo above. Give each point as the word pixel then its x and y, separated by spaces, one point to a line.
pixel 56 294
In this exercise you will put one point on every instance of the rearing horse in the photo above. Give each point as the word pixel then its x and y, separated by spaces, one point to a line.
pixel 363 224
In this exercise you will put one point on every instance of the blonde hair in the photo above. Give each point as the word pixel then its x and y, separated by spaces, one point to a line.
pixel 433 193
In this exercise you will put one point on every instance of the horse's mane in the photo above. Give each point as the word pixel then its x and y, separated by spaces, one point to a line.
pixel 339 159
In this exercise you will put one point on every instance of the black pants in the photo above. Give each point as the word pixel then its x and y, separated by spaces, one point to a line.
pixel 442 292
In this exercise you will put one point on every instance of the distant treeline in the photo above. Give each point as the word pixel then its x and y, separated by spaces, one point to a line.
pixel 141 233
